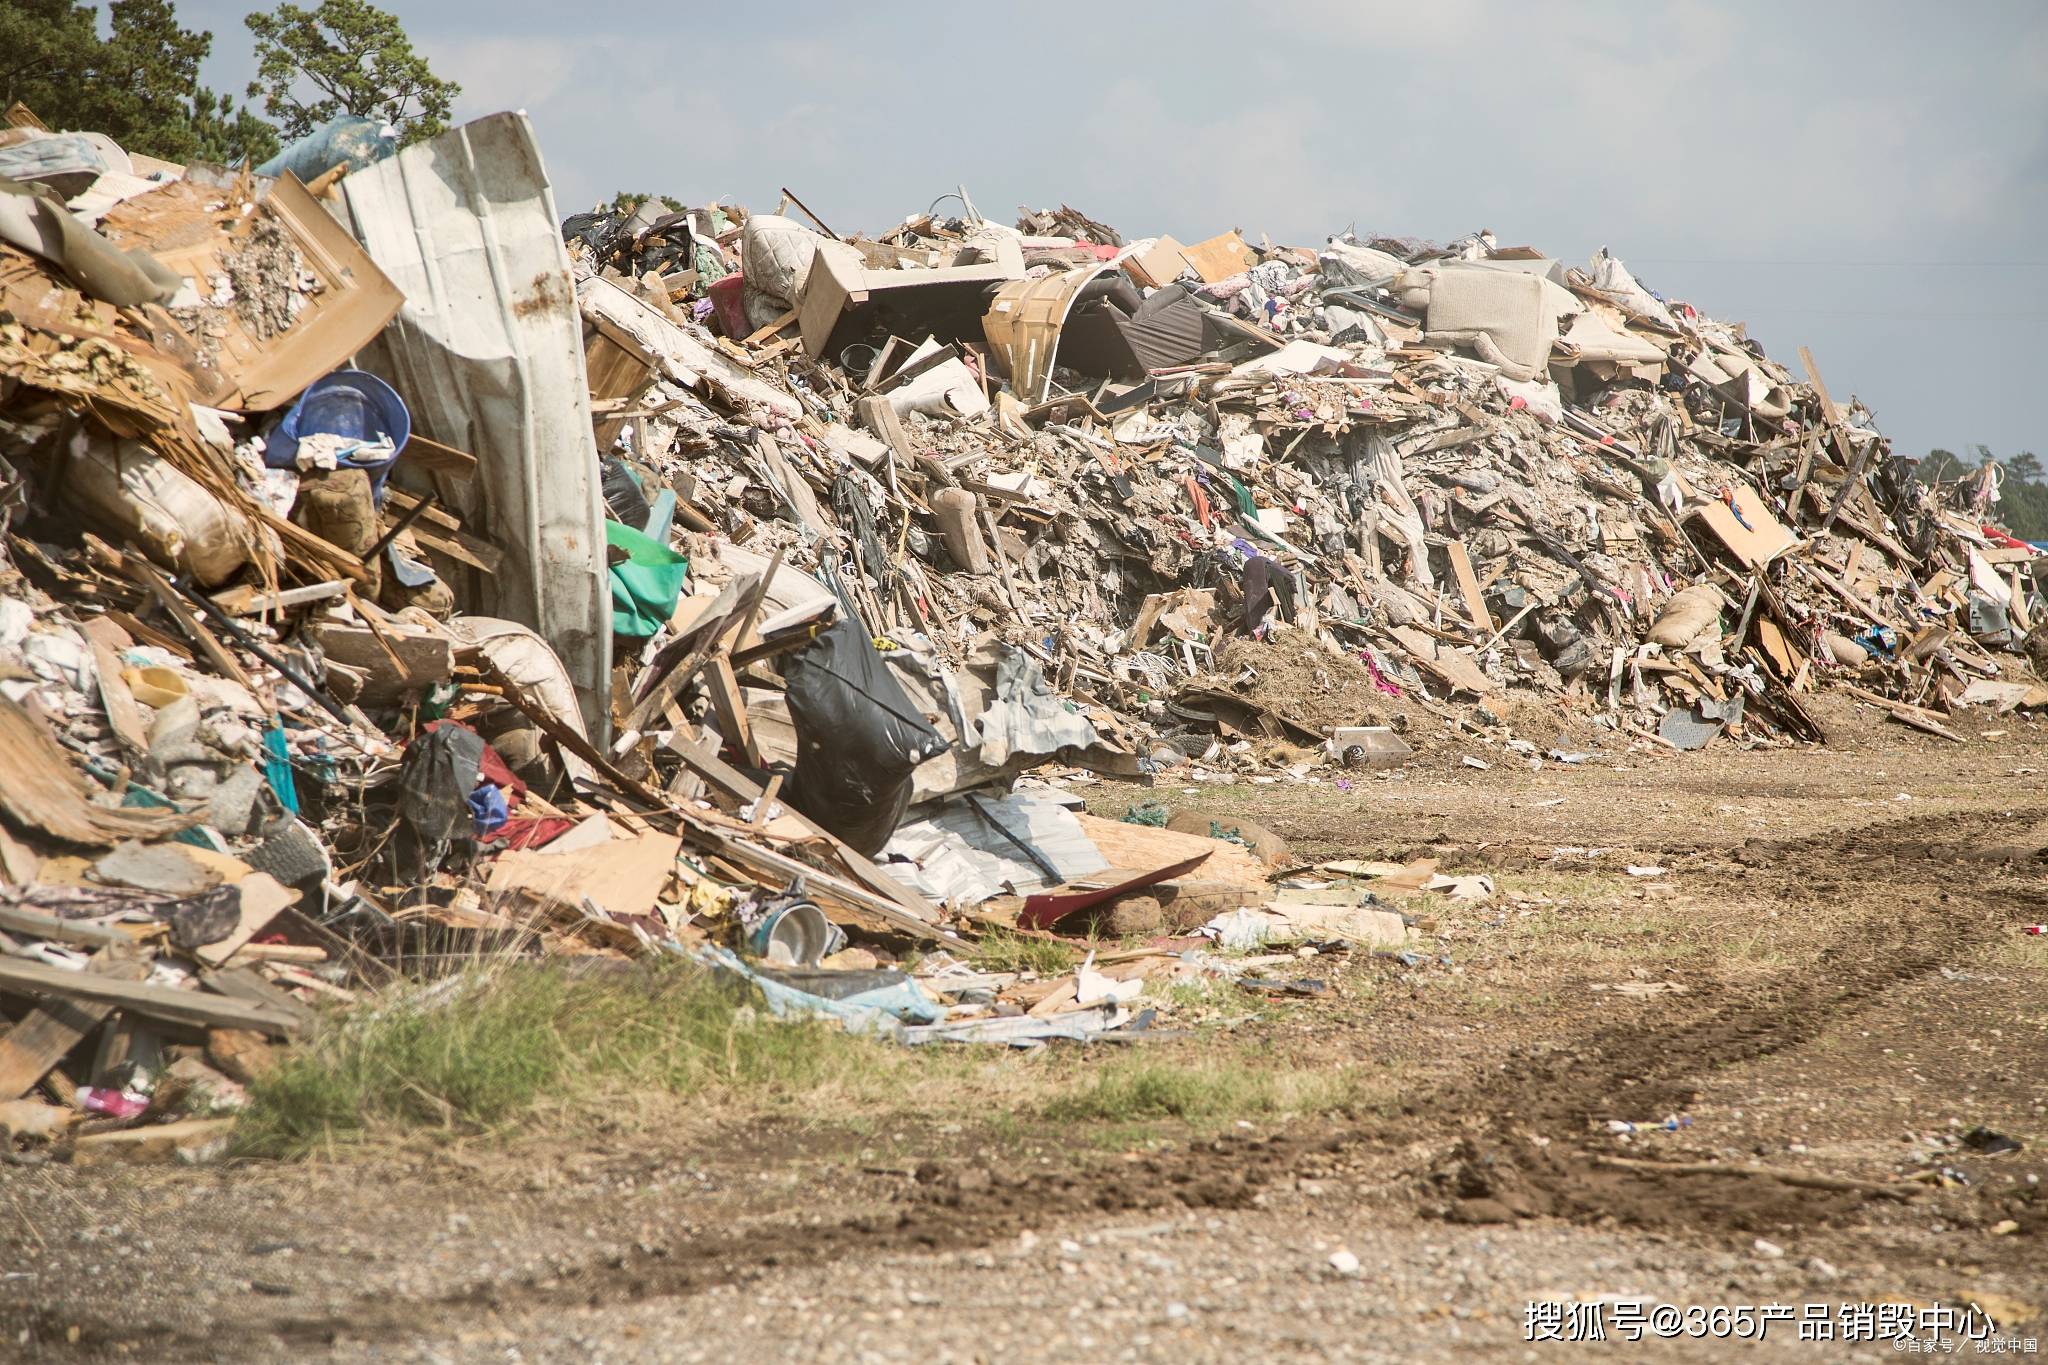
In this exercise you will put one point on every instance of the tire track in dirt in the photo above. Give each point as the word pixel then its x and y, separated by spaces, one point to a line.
pixel 1533 1154
pixel 1525 1154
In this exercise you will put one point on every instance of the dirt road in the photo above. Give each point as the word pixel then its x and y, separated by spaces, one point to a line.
pixel 1828 979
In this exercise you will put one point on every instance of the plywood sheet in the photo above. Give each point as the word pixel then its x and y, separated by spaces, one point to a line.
pixel 1142 847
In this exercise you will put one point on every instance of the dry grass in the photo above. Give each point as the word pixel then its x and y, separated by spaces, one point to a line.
pixel 1141 1088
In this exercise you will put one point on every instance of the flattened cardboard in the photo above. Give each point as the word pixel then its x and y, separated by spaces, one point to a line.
pixel 1219 258
pixel 624 876
pixel 1758 543
pixel 1159 266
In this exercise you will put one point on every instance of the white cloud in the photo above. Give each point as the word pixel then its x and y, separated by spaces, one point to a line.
pixel 507 72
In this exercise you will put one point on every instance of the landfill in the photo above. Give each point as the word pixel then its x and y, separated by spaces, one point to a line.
pixel 398 573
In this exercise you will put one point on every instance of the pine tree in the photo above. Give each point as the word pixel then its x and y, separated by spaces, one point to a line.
pixel 344 57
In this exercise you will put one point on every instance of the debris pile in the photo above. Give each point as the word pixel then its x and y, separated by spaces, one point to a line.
pixel 396 573
pixel 1457 473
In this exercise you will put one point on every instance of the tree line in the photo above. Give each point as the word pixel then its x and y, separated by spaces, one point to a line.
pixel 2022 506
pixel 139 82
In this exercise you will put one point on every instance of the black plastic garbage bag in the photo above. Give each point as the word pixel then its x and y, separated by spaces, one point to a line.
pixel 434 782
pixel 858 738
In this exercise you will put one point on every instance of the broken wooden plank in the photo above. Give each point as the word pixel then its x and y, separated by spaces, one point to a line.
pixel 724 608
pixel 762 333
pixel 884 421
pixel 123 715
pixel 42 1039
pixel 244 984
pixel 1468 586
pixel 187 1140
pixel 33 924
pixel 158 1002
pixel 195 630
pixel 731 708
pixel 740 787
pixel 398 660
pixel 249 601
pixel 126 1042
pixel 421 453
pixel 1853 460
pixel 443 533
pixel 1889 703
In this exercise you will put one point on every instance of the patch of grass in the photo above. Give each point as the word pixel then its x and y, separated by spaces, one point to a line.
pixel 1002 951
pixel 484 1049
pixel 514 1046
pixel 2019 949
pixel 1561 885
pixel 1145 1088
pixel 1203 995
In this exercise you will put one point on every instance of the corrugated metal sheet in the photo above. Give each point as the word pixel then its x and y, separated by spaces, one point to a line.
pixel 488 353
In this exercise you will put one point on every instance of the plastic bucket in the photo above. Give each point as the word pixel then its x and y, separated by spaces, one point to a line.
pixel 352 403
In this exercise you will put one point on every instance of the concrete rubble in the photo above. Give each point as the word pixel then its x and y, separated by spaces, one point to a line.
pixel 397 573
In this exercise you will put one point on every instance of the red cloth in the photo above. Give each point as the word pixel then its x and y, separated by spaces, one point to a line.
pixel 727 306
pixel 528 831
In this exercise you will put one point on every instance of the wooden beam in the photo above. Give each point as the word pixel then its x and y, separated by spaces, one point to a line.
pixel 245 601
pixel 158 1002
pixel 122 713
pixel 244 984
pixel 1853 460
pixel 209 644
pixel 424 454
pixel 31 924
pixel 766 801
pixel 730 603
pixel 761 334
pixel 41 1040
pixel 1468 586
pixel 442 531
pixel 731 705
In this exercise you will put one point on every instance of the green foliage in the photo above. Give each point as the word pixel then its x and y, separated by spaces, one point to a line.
pixel 45 51
pixel 344 57
pixel 488 1049
pixel 1002 951
pixel 625 202
pixel 2022 506
pixel 139 85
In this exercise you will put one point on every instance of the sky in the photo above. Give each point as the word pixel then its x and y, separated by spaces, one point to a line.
pixel 1867 178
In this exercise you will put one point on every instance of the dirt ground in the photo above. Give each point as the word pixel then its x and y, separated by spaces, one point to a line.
pixel 1829 978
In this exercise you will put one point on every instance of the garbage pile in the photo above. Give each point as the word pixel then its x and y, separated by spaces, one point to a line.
pixel 397 574
pixel 1158 478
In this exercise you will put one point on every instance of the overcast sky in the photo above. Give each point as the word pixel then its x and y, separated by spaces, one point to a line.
pixel 1867 178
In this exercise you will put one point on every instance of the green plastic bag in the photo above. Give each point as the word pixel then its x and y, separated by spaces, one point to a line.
pixel 646 584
